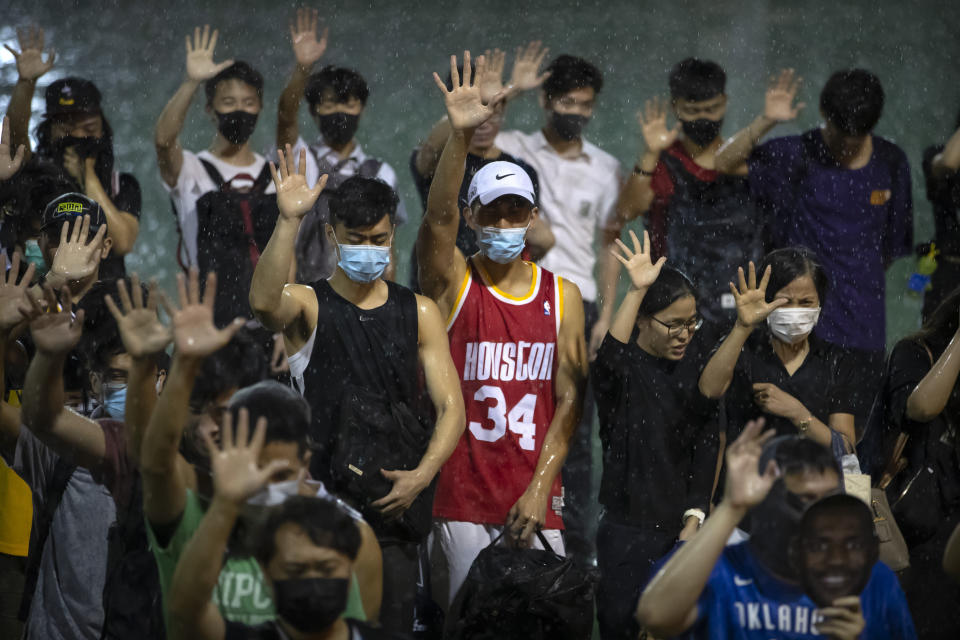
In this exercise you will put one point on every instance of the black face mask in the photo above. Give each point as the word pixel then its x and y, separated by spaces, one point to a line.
pixel 100 149
pixel 568 126
pixel 338 128
pixel 773 523
pixel 701 131
pixel 311 605
pixel 236 126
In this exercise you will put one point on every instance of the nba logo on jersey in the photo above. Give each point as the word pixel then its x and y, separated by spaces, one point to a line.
pixel 546 308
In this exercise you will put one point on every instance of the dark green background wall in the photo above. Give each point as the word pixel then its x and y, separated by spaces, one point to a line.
pixel 134 51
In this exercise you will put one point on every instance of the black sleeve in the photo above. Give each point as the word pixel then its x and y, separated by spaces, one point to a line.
pixel 845 391
pixel 128 196
pixel 909 363
pixel 706 448
pixel 609 371
pixel 533 178
pixel 421 182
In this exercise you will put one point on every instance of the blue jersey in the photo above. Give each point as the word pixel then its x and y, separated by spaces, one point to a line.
pixel 743 601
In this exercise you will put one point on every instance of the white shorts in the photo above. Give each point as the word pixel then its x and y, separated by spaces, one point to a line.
pixel 461 543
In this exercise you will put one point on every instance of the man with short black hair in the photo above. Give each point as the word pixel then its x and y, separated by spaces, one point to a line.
pixel 704 221
pixel 337 97
pixel 840 191
pixel 751 590
pixel 356 335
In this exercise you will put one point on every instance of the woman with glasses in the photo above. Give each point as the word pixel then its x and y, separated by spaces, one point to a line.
pixel 797 383
pixel 659 434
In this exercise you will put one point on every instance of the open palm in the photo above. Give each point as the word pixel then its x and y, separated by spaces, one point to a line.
pixel 194 334
pixel 526 67
pixel 465 106
pixel 140 328
pixel 294 197
pixel 653 125
pixel 57 330
pixel 200 64
pixel 778 103
pixel 746 486
pixel 642 271
pixel 13 294
pixel 751 299
pixel 236 472
pixel 303 35
pixel 30 62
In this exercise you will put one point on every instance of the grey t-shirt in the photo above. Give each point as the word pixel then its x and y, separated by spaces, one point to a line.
pixel 68 603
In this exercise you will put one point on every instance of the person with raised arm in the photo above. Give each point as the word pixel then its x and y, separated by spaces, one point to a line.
pixel 517 340
pixel 340 331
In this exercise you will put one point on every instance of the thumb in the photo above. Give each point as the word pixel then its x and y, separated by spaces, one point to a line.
pixel 319 187
pixel 777 303
pixel 272 467
pixel 13 52
pixel 389 474
pixel 771 473
pixel 223 65
pixel 231 329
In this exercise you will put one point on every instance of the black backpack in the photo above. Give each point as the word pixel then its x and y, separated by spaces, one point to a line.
pixel 523 594
pixel 233 228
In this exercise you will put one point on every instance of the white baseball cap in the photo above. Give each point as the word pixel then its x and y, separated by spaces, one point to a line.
pixel 500 179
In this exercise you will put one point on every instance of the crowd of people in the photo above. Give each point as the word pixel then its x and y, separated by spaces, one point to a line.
pixel 295 445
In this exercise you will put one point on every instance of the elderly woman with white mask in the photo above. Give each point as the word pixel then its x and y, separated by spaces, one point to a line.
pixel 785 374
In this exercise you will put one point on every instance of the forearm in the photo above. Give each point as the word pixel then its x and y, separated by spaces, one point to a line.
pixel 171 120
pixel 19 113
pixel 556 444
pixel 43 394
pixel 609 269
pixel 540 238
pixel 141 400
pixel 951 556
pixel 930 396
pixel 637 194
pixel 446 434
pixel 626 317
pixel 428 153
pixel 735 151
pixel 161 440
pixel 666 604
pixel 122 227
pixel 289 106
pixel 273 269
pixel 198 569
pixel 948 160
pixel 442 207
pixel 717 375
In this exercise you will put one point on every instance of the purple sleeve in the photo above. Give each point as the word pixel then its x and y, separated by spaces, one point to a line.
pixel 898 235
pixel 769 170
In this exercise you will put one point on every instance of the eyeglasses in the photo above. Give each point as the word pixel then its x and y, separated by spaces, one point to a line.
pixel 674 329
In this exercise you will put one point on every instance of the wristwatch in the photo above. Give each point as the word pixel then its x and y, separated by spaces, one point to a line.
pixel 804 424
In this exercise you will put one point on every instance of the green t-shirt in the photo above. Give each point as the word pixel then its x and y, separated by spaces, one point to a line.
pixel 241 593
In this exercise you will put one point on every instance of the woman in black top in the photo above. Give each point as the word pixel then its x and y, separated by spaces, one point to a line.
pixel 941 172
pixel 921 398
pixel 658 433
pixel 784 374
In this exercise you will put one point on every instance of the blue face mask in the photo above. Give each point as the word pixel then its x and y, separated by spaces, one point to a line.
pixel 501 245
pixel 363 262
pixel 34 256
pixel 115 399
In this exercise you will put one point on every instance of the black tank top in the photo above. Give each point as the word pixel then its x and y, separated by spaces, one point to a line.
pixel 372 348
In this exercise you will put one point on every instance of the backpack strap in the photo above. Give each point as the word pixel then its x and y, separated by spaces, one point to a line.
pixel 264 179
pixel 369 168
pixel 213 173
pixel 62 472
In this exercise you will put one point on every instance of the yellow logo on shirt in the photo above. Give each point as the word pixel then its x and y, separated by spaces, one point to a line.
pixel 880 196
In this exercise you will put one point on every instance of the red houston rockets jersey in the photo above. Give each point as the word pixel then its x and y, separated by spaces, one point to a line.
pixel 505 351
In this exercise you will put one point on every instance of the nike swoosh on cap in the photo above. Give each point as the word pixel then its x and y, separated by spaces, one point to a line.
pixel 506 175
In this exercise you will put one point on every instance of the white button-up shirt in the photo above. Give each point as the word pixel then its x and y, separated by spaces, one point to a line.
pixel 578 195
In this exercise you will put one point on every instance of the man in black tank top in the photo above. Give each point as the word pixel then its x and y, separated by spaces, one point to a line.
pixel 357 335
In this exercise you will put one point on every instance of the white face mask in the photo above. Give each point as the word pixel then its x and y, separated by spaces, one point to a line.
pixel 792 324
pixel 277 492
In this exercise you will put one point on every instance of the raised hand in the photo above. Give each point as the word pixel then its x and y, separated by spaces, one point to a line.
pixel 778 104
pixel 140 328
pixel 57 330
pixel 653 125
pixel 194 334
pixel 303 36
pixel 200 64
pixel 236 474
pixel 491 80
pixel 8 165
pixel 77 256
pixel 843 619
pixel 294 197
pixel 752 306
pixel 642 271
pixel 465 106
pixel 13 294
pixel 30 62
pixel 526 67
pixel 746 487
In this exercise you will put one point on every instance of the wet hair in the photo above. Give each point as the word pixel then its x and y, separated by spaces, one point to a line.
pixel 838 503
pixel 791 263
pixel 942 323
pixel 47 146
pixel 695 80
pixel 326 524
pixel 24 197
pixel 796 454
pixel 239 70
pixel 361 202
pixel 670 286
pixel 568 73
pixel 341 82
pixel 286 411
pixel 239 364
pixel 852 101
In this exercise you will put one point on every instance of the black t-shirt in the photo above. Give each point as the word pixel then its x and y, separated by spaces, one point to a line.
pixel 659 434
pixel 126 198
pixel 377 349
pixel 466 238
pixel 272 631
pixel 944 194
pixel 825 383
